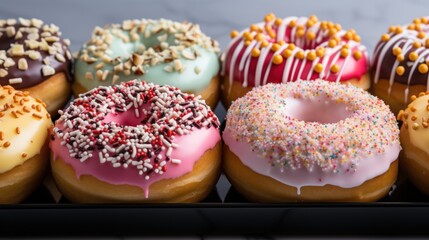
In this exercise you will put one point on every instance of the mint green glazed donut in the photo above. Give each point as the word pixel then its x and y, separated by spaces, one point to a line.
pixel 162 51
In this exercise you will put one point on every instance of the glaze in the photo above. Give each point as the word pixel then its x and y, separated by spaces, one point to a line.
pixel 294 48
pixel 31 52
pixel 24 127
pixel 285 131
pixel 159 51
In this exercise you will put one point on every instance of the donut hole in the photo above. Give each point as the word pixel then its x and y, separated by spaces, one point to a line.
pixel 319 110
pixel 128 118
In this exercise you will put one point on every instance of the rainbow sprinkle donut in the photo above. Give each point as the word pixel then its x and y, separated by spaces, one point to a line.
pixel 311 141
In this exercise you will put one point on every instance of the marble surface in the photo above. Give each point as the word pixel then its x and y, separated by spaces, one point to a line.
pixel 217 18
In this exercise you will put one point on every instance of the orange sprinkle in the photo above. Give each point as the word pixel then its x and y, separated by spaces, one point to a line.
pixel 413 97
pixel 425 124
pixel 413 118
pixel 38 108
pixel 24 155
pixel 254 28
pixel 300 33
pixel 291 46
pixel 413 56
pixel 335 68
pixel 344 52
pixel 320 52
pixel 1 136
pixel 233 34
pixel 281 42
pixel 356 38
pixel 256 52
pixel 421 35
pixel 311 56
pixel 415 126
pixel 318 68
pixel 400 57
pixel 416 21
pixel 396 51
pixel 1 114
pixel 277 59
pixel 357 54
pixel 264 44
pixel 259 37
pixel 278 21
pixel 348 35
pixel 287 53
pixel 247 43
pixel 423 68
pixel 6 144
pixel 275 47
pixel 14 114
pixel 332 32
pixel 300 55
pixel 17 130
pixel 332 43
pixel 36 115
pixel 413 109
pixel 25 109
pixel 385 37
pixel 398 30
pixel 311 35
pixel 400 70
pixel 310 23
pixel 417 44
pixel 269 17
pixel 292 23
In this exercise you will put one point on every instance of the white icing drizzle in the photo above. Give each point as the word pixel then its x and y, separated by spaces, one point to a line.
pixel 260 64
pixel 291 70
pixel 289 62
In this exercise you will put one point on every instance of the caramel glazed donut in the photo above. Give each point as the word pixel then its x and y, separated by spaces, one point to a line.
pixel 285 50
pixel 158 51
pixel 136 142
pixel 400 64
pixel 24 153
pixel 34 58
pixel 414 139
pixel 311 141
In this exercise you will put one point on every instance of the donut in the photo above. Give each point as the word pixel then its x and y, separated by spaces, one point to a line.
pixel 414 139
pixel 24 153
pixel 311 141
pixel 136 142
pixel 34 58
pixel 400 64
pixel 158 51
pixel 285 50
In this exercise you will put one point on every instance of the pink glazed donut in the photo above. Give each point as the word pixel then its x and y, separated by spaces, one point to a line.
pixel 310 141
pixel 136 142
pixel 285 50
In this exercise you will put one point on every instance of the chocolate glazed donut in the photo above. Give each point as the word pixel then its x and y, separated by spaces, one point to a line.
pixel 34 58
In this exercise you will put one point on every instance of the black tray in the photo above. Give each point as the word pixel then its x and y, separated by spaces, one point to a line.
pixel 405 211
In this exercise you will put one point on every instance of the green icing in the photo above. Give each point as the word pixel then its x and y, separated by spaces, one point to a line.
pixel 196 75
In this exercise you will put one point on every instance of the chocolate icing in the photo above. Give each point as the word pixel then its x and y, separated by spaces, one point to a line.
pixel 388 60
pixel 33 75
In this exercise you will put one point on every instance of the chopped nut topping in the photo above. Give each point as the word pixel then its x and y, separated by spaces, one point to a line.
pixel 17 50
pixel 47 70
pixel 8 62
pixel 22 64
pixel 60 57
pixel 3 73
pixel 15 80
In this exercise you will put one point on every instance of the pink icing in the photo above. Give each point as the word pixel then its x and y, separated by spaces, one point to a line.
pixel 191 148
pixel 242 67
pixel 134 133
pixel 368 168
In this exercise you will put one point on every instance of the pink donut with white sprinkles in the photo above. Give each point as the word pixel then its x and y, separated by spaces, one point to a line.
pixel 135 134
